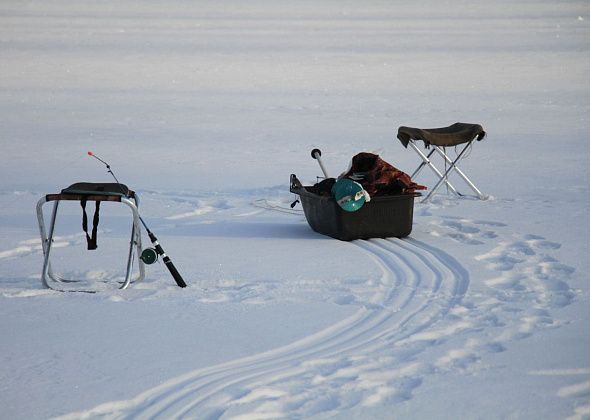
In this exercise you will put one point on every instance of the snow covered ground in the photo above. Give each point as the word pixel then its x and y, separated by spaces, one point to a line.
pixel 205 108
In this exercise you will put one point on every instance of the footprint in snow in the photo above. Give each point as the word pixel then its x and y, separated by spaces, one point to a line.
pixel 527 270
pixel 466 231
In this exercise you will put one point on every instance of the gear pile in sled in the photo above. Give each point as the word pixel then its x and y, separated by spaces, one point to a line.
pixel 371 199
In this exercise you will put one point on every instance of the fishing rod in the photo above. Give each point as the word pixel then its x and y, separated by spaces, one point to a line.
pixel 149 255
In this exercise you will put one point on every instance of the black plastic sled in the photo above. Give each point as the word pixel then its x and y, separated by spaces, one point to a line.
pixel 382 217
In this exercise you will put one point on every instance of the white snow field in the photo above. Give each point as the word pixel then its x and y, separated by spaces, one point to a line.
pixel 205 108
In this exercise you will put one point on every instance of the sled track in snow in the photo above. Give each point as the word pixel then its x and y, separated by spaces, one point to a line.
pixel 418 287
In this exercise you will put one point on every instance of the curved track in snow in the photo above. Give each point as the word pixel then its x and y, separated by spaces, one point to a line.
pixel 418 286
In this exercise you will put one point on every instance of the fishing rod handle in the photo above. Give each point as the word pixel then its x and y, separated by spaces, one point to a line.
pixel 177 277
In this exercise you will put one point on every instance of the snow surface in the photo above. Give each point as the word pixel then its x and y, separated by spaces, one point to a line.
pixel 205 108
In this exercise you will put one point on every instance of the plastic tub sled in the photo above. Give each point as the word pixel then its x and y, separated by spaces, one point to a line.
pixel 382 217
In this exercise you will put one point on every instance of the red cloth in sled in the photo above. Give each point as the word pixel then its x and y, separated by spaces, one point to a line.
pixel 379 177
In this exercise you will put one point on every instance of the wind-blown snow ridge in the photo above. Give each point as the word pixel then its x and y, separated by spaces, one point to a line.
pixel 360 360
pixel 31 246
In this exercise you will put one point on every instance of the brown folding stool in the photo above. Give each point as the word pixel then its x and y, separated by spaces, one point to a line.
pixel 438 139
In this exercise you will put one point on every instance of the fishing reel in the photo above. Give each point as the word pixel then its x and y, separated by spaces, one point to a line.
pixel 149 256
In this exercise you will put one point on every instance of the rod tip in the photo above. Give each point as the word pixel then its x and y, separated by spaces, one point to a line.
pixel 90 153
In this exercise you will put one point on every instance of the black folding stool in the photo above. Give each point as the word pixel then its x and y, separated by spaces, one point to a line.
pixel 90 192
pixel 438 139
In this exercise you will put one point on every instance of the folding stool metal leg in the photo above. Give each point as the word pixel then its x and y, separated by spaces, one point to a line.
pixel 135 240
pixel 452 167
pixel 427 162
pixel 46 241
pixel 460 172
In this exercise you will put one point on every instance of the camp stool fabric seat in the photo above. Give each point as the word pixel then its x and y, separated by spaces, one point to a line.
pixel 437 139
pixel 85 192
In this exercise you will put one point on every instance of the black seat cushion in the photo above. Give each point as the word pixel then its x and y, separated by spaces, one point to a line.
pixel 94 188
pixel 452 135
